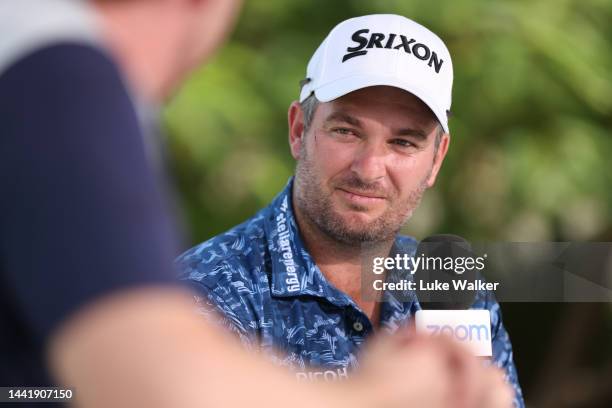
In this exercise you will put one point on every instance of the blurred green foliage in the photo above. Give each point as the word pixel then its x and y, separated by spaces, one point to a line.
pixel 532 111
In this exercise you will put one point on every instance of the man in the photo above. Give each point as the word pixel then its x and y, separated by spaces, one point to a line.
pixel 88 299
pixel 369 134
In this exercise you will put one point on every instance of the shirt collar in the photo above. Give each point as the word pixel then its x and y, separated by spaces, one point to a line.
pixel 294 272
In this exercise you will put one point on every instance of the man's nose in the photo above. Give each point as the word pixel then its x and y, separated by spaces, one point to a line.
pixel 369 162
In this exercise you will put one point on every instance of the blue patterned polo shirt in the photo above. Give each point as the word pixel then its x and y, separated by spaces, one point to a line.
pixel 267 289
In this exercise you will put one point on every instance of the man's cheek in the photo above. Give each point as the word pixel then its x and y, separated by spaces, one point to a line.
pixel 337 164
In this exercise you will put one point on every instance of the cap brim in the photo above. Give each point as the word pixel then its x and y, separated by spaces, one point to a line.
pixel 346 85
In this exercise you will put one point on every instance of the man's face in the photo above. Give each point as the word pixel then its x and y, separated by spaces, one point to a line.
pixel 364 163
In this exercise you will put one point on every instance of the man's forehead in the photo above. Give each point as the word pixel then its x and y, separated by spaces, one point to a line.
pixel 386 100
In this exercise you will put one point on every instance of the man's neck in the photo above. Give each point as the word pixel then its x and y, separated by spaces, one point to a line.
pixel 344 265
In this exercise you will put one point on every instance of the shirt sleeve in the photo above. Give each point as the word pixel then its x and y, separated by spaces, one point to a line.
pixel 216 310
pixel 81 213
pixel 214 294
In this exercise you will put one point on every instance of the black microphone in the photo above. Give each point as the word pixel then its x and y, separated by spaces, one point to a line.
pixel 446 282
pixel 440 256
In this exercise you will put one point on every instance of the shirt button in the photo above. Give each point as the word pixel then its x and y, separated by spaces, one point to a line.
pixel 358 326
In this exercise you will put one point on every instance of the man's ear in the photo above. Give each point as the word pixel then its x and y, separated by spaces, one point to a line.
pixel 295 117
pixel 438 159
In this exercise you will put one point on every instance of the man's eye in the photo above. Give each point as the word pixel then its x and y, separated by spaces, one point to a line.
pixel 402 142
pixel 343 131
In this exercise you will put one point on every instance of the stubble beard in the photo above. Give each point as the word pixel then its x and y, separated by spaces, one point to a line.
pixel 316 205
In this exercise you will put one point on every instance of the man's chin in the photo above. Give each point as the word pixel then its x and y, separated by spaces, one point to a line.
pixel 362 235
pixel 354 227
pixel 358 217
pixel 359 222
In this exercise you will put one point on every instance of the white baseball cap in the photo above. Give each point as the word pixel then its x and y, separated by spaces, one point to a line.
pixel 382 49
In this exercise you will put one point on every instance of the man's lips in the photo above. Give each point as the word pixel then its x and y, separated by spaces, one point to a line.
pixel 361 196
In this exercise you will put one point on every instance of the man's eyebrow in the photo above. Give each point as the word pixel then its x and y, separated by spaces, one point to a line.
pixel 418 133
pixel 343 117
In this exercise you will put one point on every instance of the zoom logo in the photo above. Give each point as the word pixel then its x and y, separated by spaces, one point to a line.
pixel 470 327
pixel 461 332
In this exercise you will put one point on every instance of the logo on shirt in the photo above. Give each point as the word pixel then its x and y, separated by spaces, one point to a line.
pixel 284 246
pixel 392 41
pixel 327 375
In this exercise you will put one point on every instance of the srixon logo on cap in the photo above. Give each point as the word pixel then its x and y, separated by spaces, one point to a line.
pixel 392 41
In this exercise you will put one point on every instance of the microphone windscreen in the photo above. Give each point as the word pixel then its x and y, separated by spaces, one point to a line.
pixel 443 261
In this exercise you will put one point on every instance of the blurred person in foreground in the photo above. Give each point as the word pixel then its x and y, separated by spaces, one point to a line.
pixel 88 296
pixel 369 134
